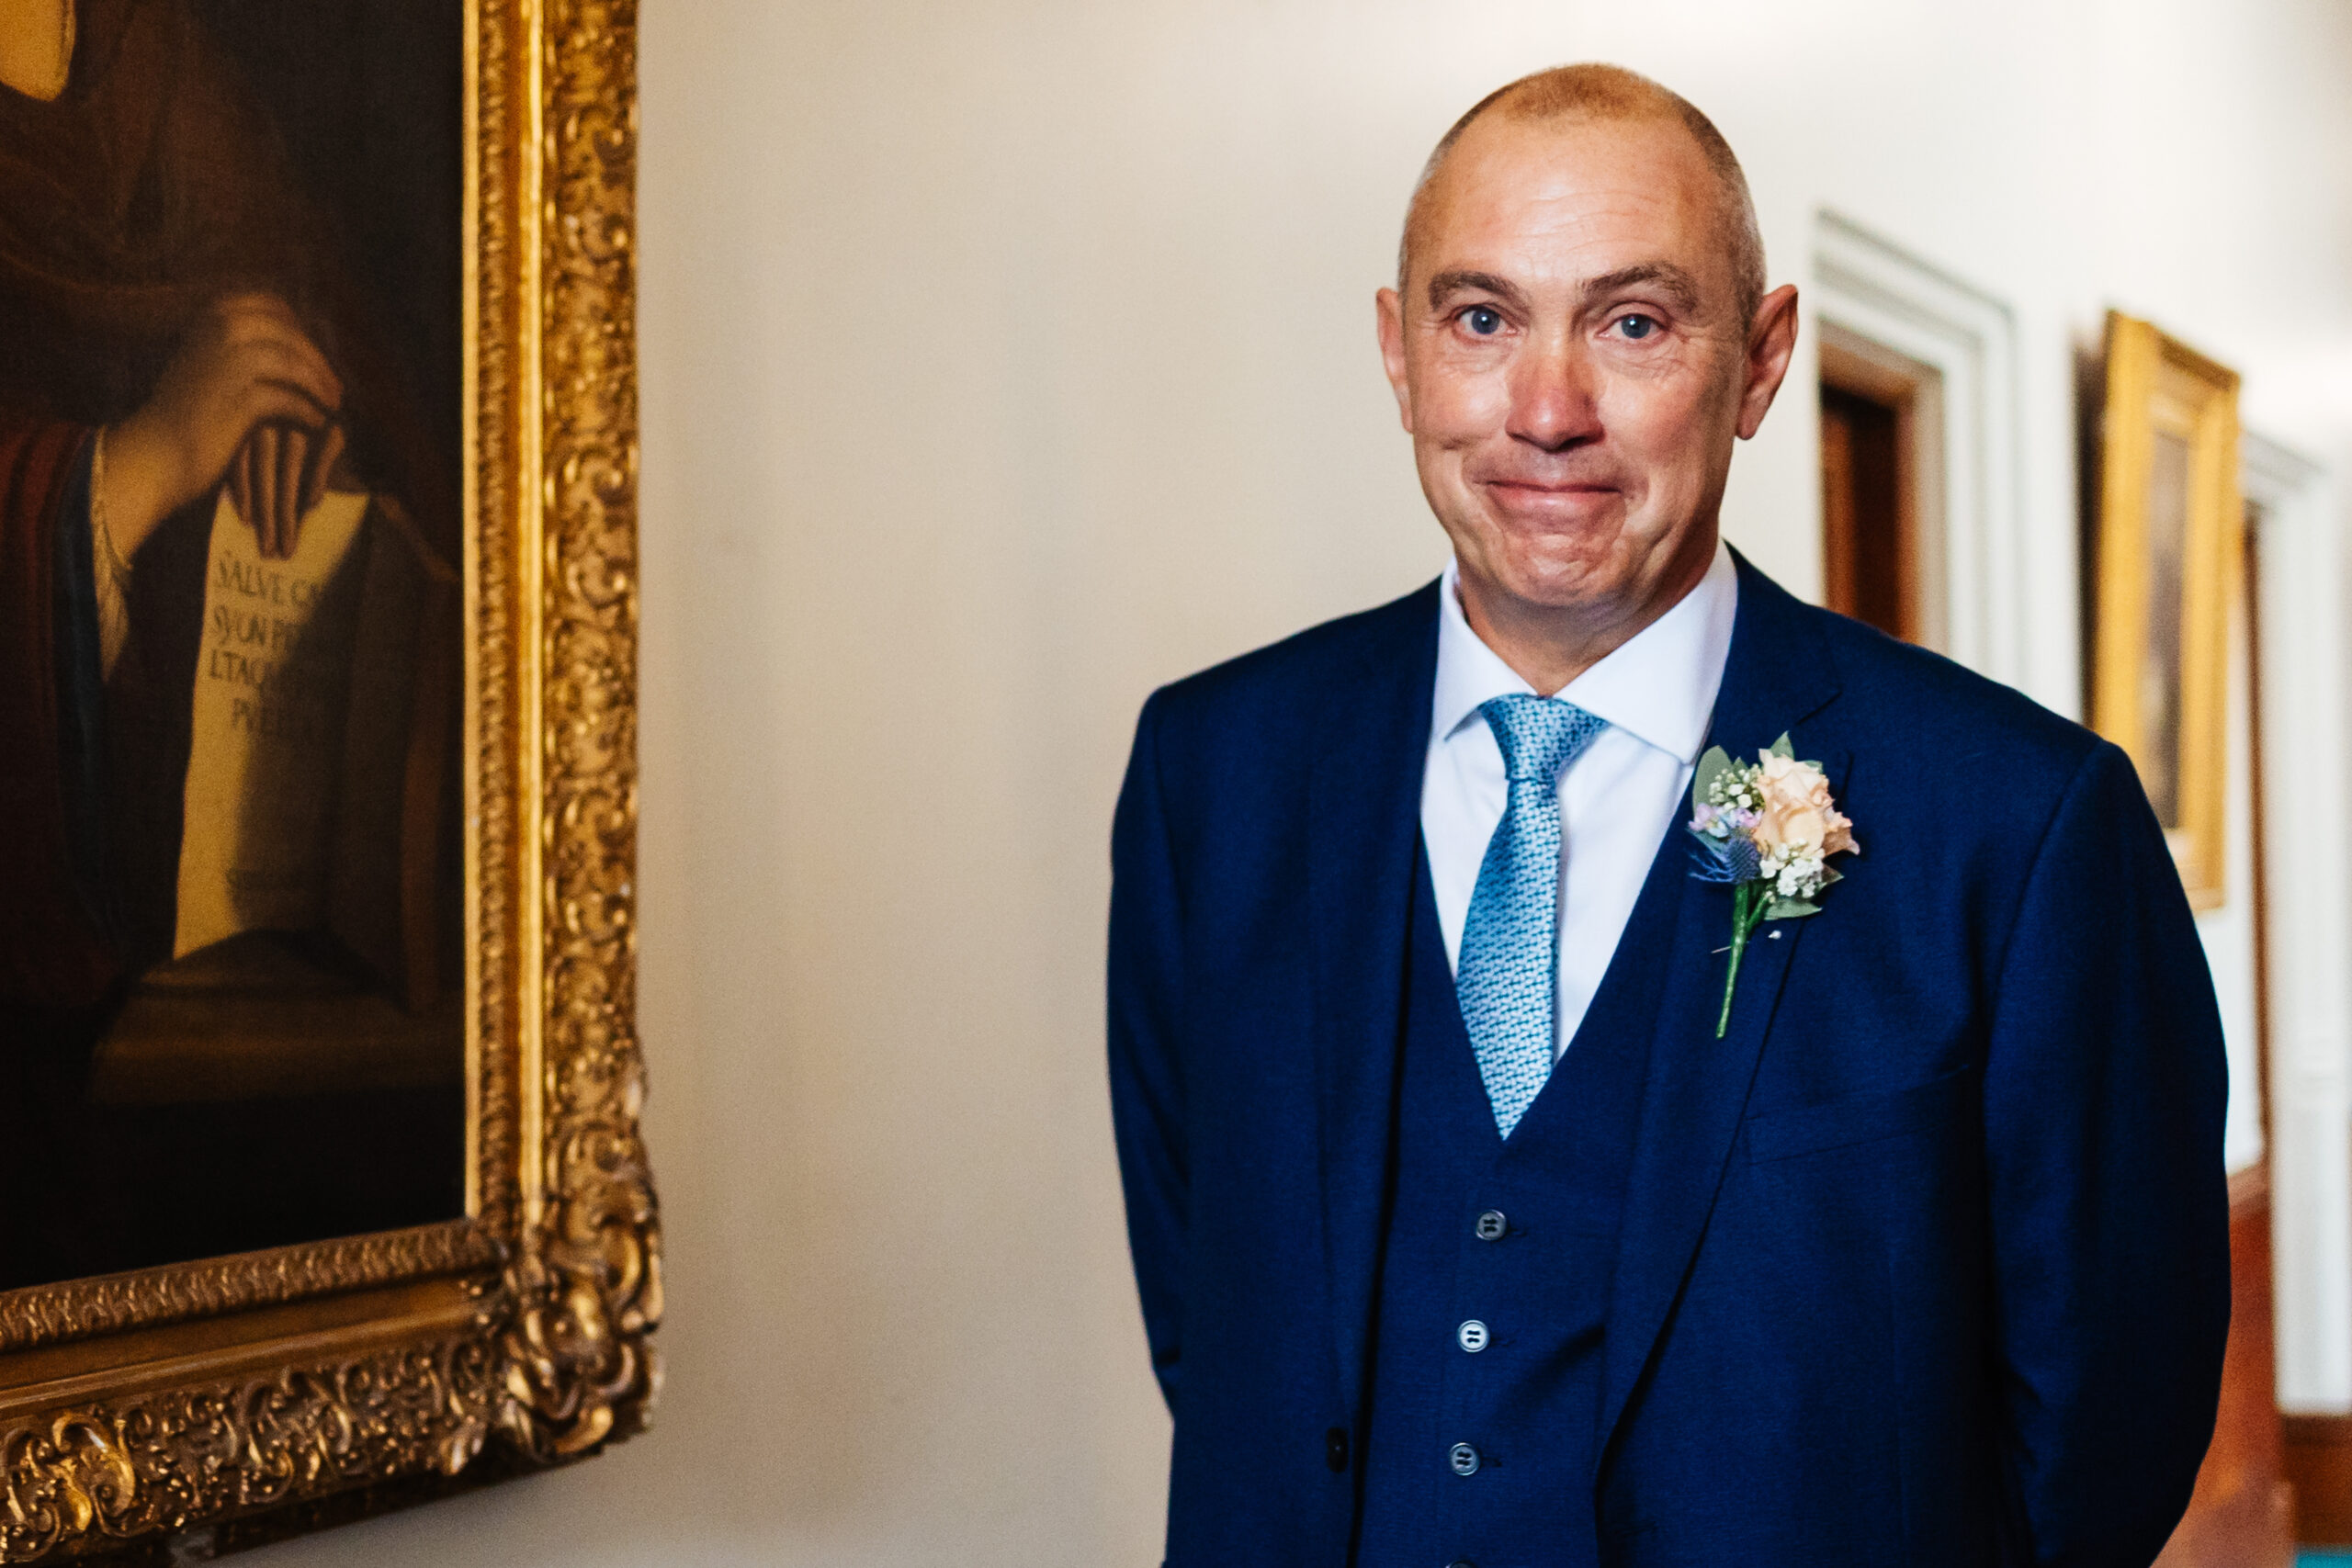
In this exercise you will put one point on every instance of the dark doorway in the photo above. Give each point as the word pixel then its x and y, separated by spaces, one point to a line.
pixel 1863 545
pixel 1880 468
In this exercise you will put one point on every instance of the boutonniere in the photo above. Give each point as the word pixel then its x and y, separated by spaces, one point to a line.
pixel 1767 828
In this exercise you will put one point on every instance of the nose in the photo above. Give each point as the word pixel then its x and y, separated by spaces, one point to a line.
pixel 1553 406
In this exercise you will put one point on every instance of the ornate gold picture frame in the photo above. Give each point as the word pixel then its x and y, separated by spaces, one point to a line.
pixel 178 1410
pixel 2169 546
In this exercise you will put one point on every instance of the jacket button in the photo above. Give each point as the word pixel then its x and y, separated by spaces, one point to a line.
pixel 1491 1226
pixel 1463 1458
pixel 1461 1563
pixel 1335 1450
pixel 1473 1336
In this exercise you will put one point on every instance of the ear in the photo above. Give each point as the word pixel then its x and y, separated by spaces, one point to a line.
pixel 1391 311
pixel 1772 342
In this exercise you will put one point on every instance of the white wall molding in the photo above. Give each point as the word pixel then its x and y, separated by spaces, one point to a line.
pixel 2304 654
pixel 1877 290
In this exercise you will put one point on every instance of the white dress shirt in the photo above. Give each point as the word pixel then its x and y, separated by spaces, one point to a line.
pixel 1657 694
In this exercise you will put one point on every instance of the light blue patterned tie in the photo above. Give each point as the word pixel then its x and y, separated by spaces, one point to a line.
pixel 1510 964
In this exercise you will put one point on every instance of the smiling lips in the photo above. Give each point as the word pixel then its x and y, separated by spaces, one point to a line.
pixel 1545 498
pixel 1542 487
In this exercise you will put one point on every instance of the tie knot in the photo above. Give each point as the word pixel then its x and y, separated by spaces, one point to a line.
pixel 1539 735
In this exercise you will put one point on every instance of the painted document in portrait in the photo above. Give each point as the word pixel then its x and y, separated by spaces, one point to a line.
pixel 2167 558
pixel 231 380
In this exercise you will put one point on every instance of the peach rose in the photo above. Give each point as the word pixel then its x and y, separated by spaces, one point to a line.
pixel 1797 810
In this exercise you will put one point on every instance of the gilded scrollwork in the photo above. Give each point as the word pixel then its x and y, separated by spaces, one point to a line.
pixel 587 1289
pixel 94 1475
pixel 53 1314
pixel 499 493
pixel 562 1260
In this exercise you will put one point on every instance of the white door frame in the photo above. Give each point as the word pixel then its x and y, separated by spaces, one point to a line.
pixel 1879 291
pixel 2307 844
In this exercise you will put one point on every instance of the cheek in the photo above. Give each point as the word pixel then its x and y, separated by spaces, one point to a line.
pixel 1662 426
pixel 1459 397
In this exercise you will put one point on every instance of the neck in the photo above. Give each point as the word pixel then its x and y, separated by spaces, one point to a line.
pixel 1549 645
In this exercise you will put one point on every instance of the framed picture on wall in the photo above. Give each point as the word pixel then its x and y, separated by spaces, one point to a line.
pixel 319 1076
pixel 2166 563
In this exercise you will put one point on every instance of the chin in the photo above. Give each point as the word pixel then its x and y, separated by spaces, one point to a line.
pixel 1563 579
pixel 1566 564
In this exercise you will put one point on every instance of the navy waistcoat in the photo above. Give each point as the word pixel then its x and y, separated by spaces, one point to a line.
pixel 1483 1426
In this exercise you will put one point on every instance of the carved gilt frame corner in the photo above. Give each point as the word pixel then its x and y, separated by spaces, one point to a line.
pixel 174 1410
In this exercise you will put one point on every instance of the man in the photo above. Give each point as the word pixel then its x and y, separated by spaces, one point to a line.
pixel 1480 1218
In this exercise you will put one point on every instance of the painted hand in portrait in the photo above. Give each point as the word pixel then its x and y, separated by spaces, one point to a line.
pixel 231 354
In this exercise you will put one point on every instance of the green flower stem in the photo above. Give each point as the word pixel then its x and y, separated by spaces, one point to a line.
pixel 1747 901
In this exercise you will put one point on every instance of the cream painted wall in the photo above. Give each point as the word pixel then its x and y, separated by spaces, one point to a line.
pixel 1004 360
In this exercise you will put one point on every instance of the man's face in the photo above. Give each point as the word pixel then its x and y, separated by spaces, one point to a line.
pixel 1568 356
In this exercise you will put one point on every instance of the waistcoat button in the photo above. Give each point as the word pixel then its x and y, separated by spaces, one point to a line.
pixel 1335 1448
pixel 1464 1457
pixel 1473 1336
pixel 1491 1226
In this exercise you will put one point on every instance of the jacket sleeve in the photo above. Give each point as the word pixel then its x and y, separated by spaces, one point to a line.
pixel 1146 1043
pixel 2104 1091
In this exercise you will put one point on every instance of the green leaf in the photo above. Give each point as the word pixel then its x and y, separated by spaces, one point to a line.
pixel 1712 766
pixel 1790 909
pixel 1781 748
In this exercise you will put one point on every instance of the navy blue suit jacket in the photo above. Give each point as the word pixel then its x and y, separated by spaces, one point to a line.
pixel 1925 1262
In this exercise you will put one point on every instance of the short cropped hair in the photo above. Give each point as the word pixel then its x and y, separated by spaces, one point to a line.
pixel 1603 92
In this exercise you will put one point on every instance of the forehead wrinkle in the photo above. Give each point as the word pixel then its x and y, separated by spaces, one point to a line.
pixel 1569 210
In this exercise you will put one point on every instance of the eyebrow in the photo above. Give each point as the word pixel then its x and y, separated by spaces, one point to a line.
pixel 1681 291
pixel 1679 288
pixel 1444 285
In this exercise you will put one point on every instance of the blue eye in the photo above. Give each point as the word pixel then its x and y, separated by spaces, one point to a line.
pixel 1637 327
pixel 1482 320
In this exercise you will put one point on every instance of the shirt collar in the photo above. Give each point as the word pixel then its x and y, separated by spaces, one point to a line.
pixel 1659 686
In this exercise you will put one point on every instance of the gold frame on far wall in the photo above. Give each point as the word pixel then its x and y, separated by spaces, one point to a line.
pixel 2169 534
pixel 178 1411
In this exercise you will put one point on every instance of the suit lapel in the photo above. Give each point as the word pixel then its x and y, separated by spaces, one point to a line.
pixel 1778 674
pixel 1364 828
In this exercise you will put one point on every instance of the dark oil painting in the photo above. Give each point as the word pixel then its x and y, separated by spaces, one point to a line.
pixel 231 361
